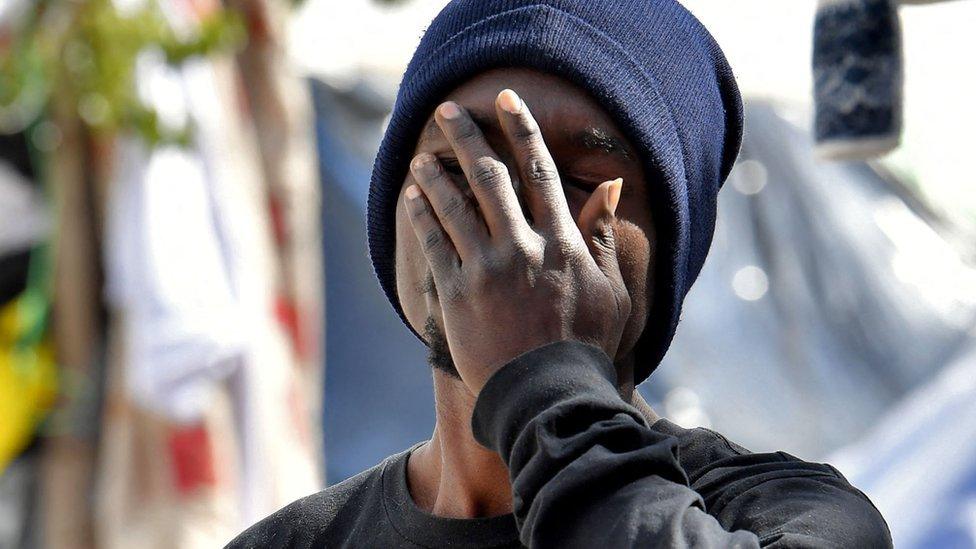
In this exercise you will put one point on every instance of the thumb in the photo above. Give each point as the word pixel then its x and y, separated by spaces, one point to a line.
pixel 596 225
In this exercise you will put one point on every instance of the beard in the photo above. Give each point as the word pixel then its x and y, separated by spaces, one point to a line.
pixel 438 352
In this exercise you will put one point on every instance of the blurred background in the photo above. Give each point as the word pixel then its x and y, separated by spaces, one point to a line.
pixel 191 335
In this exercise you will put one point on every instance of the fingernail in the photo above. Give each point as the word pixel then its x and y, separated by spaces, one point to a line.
pixel 421 162
pixel 450 110
pixel 613 195
pixel 413 192
pixel 418 161
pixel 510 102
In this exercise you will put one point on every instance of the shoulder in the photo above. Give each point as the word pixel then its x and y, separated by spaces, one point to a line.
pixel 704 453
pixel 699 448
pixel 789 500
pixel 314 520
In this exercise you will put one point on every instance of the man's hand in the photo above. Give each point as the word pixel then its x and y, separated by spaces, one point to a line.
pixel 507 286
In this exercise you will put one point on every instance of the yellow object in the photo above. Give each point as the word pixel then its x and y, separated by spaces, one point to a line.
pixel 28 379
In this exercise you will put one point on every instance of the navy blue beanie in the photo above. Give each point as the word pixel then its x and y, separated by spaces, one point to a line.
pixel 649 63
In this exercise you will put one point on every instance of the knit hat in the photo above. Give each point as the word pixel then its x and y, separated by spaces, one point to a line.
pixel 649 63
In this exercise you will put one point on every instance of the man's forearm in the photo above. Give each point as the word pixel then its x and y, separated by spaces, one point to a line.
pixel 585 467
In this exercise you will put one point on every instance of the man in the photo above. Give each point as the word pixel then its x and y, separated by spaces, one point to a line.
pixel 547 276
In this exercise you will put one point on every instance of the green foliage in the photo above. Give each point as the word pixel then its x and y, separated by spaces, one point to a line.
pixel 84 52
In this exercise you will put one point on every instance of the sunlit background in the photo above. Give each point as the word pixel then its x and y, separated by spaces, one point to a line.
pixel 188 376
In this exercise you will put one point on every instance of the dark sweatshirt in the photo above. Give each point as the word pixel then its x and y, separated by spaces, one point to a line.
pixel 587 471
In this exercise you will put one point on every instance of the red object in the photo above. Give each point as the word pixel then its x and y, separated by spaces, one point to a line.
pixel 286 311
pixel 192 458
pixel 278 220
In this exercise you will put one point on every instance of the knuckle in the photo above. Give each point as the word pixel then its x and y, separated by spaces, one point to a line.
pixel 519 250
pixel 454 208
pixel 555 280
pixel 604 240
pixel 488 172
pixel 576 257
pixel 541 171
pixel 564 246
pixel 433 240
pixel 525 251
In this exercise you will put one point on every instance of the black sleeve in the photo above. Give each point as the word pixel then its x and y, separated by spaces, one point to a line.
pixel 790 503
pixel 587 471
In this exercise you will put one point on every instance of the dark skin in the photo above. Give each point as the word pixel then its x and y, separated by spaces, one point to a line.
pixel 506 242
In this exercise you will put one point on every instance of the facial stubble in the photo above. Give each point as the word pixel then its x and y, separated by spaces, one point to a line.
pixel 438 351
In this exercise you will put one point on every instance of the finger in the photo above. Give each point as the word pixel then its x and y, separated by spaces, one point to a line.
pixel 543 190
pixel 438 248
pixel 486 174
pixel 596 225
pixel 454 210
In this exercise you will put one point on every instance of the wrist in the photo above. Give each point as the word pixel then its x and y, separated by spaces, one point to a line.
pixel 478 366
pixel 538 380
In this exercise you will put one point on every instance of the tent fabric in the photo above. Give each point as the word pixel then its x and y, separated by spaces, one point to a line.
pixel 829 295
pixel 918 464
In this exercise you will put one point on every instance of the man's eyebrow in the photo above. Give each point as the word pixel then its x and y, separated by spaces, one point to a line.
pixel 600 140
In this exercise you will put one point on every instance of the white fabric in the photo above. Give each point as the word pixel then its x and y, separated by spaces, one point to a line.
pixel 170 271
pixel 191 276
pixel 23 220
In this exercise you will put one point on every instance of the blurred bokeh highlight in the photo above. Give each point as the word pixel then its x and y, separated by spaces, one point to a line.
pixel 191 335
